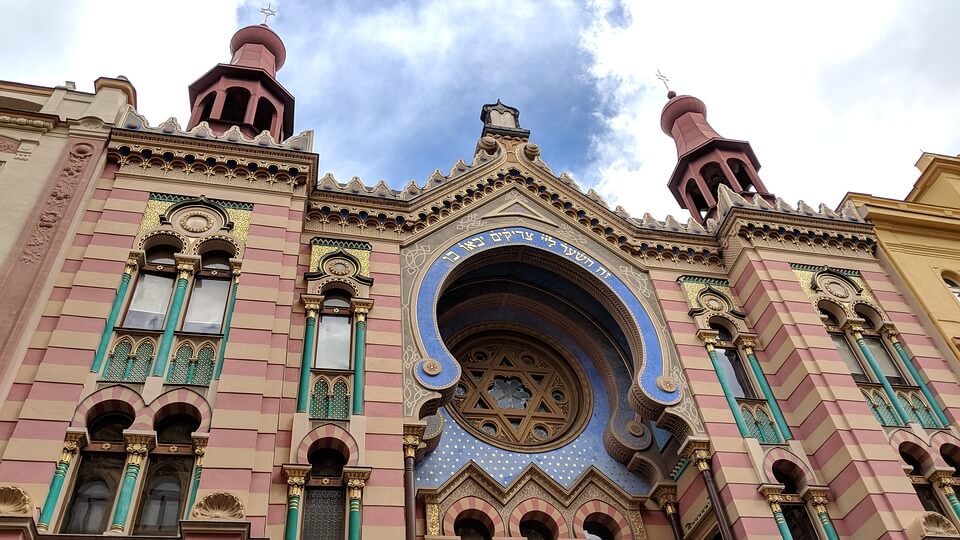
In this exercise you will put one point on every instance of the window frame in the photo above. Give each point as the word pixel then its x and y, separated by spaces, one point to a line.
pixel 168 271
pixel 341 312
pixel 952 286
pixel 162 449
pixel 202 273
pixel 869 333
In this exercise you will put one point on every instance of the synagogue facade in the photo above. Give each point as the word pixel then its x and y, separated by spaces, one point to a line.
pixel 206 338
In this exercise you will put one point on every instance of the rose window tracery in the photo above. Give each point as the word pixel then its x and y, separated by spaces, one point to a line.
pixel 517 392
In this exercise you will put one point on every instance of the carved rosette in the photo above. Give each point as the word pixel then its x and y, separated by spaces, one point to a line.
pixel 219 505
pixel 57 202
pixel 14 501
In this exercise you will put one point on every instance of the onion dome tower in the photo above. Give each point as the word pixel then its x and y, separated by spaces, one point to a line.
pixel 245 93
pixel 705 160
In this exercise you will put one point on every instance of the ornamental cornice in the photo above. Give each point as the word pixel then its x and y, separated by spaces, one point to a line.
pixel 40 123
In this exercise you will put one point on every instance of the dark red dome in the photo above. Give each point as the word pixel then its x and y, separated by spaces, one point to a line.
pixel 261 35
pixel 677 107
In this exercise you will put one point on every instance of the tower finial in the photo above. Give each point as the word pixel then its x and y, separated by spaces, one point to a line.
pixel 268 12
pixel 666 83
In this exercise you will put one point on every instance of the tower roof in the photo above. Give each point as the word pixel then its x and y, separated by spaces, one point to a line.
pixel 258 34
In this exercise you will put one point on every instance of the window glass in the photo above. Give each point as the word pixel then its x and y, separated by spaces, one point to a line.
pixel 928 498
pixel 164 487
pixel 849 358
pixel 333 343
pixel 161 255
pixel 335 300
pixel 215 260
pixel 884 360
pixel 95 486
pixel 952 285
pixel 733 370
pixel 596 531
pixel 798 521
pixel 150 300
pixel 207 302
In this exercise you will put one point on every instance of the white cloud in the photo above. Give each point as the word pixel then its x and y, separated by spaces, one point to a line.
pixel 826 93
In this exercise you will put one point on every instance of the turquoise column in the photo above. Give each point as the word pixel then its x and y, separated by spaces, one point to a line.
pixel 309 341
pixel 354 522
pixel 70 448
pixel 946 485
pixel 173 317
pixel 767 393
pixel 887 389
pixel 731 400
pixel 781 522
pixel 135 455
pixel 296 479
pixel 941 416
pixel 226 326
pixel 195 485
pixel 359 354
pixel 820 507
pixel 114 315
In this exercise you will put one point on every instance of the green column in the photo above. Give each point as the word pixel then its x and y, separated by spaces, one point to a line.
pixel 731 400
pixel 195 485
pixel 293 517
pixel 768 394
pixel 887 389
pixel 226 326
pixel 820 507
pixel 173 316
pixel 112 318
pixel 919 380
pixel 309 341
pixel 354 523
pixel 135 456
pixel 946 484
pixel 359 353
pixel 70 448
pixel 781 523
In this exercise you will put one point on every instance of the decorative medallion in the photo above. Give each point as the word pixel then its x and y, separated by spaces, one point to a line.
pixel 196 222
pixel 431 367
pixel 14 501
pixel 667 383
pixel 340 266
pixel 518 393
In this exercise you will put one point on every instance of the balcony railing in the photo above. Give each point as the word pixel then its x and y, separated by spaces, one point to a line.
pixel 330 398
pixel 760 424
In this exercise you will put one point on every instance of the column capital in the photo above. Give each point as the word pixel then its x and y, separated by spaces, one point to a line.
pixel 708 337
pixel 698 451
pixel 665 496
pixel 135 260
pixel 890 331
pixel 235 266
pixel 73 441
pixel 355 478
pixel 138 444
pixel 942 478
pixel 296 476
pixel 854 326
pixel 818 496
pixel 361 306
pixel 199 446
pixel 412 437
pixel 187 264
pixel 312 303
pixel 746 341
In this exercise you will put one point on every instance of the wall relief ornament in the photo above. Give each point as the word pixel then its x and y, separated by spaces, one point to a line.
pixel 14 501
pixel 218 505
pixel 57 202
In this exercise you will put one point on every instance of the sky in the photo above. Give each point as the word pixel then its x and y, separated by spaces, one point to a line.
pixel 833 96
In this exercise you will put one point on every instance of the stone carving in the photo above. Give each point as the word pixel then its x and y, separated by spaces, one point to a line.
pixel 14 501
pixel 57 202
pixel 935 524
pixel 218 505
pixel 8 145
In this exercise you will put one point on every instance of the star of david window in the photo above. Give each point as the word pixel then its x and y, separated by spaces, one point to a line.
pixel 518 393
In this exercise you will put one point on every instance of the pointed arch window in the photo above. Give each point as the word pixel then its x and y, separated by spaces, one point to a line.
pixel 95 485
pixel 151 298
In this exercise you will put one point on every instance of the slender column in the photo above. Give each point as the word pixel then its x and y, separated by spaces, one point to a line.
pixel 137 448
pixel 296 478
pixel 199 449
pixel 361 307
pixel 774 499
pixel 228 319
pixel 748 343
pixel 666 498
pixel 71 445
pixel 412 435
pixel 309 342
pixel 857 332
pixel 709 338
pixel 944 481
pixel 185 270
pixel 133 262
pixel 701 458
pixel 891 334
pixel 355 478
pixel 819 502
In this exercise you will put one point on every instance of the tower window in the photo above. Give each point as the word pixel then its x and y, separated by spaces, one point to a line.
pixel 206 106
pixel 235 105
pixel 266 113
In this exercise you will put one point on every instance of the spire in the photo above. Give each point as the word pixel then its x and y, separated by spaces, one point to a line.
pixel 245 92
pixel 706 160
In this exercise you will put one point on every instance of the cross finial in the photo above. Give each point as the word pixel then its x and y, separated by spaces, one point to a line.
pixel 268 12
pixel 663 78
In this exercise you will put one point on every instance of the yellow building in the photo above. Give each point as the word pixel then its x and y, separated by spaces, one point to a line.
pixel 919 240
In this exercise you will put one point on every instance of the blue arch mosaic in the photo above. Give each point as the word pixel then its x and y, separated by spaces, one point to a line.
pixel 480 242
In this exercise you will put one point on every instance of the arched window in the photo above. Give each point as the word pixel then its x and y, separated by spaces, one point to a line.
pixel 878 349
pixel 235 105
pixel 335 332
pixel 95 485
pixel 148 307
pixel 953 287
pixel 470 529
pixel 713 176
pixel 324 498
pixel 208 300
pixel 696 198
pixel 266 112
pixel 594 530
pixel 795 514
pixel 741 174
pixel 731 364
pixel 532 529
pixel 167 480
pixel 843 346
pixel 925 492
pixel 206 106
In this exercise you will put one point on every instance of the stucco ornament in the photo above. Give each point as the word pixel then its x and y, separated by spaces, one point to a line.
pixel 14 501
pixel 934 524
pixel 218 505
